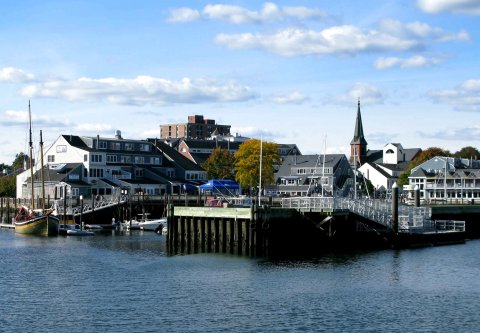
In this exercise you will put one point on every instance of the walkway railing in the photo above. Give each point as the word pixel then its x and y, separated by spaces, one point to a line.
pixel 410 218
pixel 101 203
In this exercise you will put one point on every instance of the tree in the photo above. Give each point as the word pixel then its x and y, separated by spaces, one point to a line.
pixel 19 161
pixel 247 163
pixel 468 152
pixel 8 186
pixel 422 157
pixel 220 164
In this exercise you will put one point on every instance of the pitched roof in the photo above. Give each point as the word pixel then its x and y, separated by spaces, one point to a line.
pixel 358 136
pixel 173 156
pixel 211 144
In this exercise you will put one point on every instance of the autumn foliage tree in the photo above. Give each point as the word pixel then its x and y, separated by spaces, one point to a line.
pixel 220 164
pixel 247 163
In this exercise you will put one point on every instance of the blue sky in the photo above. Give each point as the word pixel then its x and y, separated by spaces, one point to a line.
pixel 287 71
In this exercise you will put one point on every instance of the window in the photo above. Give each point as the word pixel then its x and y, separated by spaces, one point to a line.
pixel 138 173
pixel 85 158
pixel 96 172
pixel 144 147
pixel 128 146
pixel 126 159
pixel 96 158
pixel 115 145
pixel 139 160
pixel 102 145
pixel 300 171
pixel 51 158
pixel 111 158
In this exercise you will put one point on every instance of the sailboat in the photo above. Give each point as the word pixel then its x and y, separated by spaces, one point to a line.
pixel 33 221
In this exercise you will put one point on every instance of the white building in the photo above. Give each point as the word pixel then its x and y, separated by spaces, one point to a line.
pixel 447 180
pixel 383 167
pixel 98 166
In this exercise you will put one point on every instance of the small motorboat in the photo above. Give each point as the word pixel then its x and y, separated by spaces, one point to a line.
pixel 73 230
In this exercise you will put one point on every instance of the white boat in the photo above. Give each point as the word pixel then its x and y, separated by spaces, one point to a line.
pixel 93 226
pixel 144 223
pixel 153 224
pixel 73 230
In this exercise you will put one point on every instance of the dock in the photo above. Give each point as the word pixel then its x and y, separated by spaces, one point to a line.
pixel 307 225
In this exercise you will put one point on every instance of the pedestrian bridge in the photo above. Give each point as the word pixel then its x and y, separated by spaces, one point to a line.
pixel 90 206
pixel 410 218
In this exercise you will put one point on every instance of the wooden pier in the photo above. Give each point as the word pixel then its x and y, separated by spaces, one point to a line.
pixel 307 225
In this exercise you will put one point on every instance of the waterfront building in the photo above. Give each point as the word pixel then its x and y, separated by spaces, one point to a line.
pixel 446 180
pixel 105 166
pixel 302 175
pixel 197 127
pixel 383 167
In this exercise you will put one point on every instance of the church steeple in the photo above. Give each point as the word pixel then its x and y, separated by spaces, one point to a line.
pixel 358 145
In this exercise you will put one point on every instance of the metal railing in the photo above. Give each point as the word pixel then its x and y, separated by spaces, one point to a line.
pixel 410 218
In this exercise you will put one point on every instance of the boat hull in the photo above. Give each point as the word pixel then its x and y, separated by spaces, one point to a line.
pixel 153 225
pixel 45 225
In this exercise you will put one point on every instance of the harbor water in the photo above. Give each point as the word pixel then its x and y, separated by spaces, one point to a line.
pixel 120 281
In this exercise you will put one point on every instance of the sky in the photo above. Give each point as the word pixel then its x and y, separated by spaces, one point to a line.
pixel 289 72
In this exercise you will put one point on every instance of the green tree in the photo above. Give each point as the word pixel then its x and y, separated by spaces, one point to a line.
pixel 423 156
pixel 220 164
pixel 247 163
pixel 468 152
pixel 8 186
pixel 19 161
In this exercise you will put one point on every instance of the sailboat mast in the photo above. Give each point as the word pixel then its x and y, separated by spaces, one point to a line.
pixel 260 180
pixel 31 157
pixel 323 165
pixel 42 172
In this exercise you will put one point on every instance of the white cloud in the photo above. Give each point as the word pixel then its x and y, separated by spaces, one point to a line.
pixel 93 128
pixel 233 14
pixel 21 118
pixel 15 75
pixel 292 98
pixel 459 134
pixel 464 97
pixel 471 7
pixel 183 14
pixel 367 93
pixel 412 62
pixel 254 132
pixel 420 31
pixel 142 90
pixel 346 39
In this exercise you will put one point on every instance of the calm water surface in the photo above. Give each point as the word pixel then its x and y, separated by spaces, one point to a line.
pixel 125 282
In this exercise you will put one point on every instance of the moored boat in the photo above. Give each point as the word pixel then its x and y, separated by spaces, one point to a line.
pixel 36 223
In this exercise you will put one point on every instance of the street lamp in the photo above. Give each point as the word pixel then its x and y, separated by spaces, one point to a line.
pixel 81 212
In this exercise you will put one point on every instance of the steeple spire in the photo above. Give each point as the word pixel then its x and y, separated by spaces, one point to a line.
pixel 358 137
pixel 358 145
